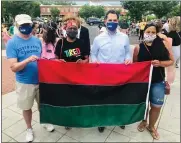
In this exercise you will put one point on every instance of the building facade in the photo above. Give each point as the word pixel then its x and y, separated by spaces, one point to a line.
pixel 73 9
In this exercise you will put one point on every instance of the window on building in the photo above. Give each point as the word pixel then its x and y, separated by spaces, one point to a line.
pixel 43 9
pixel 62 9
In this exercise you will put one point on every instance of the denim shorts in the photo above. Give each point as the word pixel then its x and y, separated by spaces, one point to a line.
pixel 157 94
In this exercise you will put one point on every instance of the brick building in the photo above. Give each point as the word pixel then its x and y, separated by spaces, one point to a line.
pixel 73 9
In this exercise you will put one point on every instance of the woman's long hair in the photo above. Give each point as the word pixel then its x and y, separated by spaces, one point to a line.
pixel 49 35
pixel 174 24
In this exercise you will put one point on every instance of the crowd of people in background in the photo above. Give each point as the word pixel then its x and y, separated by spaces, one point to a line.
pixel 68 41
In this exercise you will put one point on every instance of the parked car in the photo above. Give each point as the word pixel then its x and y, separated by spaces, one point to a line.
pixel 91 21
pixel 101 25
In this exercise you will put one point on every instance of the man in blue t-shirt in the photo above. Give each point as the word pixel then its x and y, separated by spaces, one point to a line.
pixel 23 51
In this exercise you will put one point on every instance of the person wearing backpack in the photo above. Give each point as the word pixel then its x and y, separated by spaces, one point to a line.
pixel 48 40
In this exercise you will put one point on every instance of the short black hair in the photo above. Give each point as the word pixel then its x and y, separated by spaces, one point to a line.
pixel 34 23
pixel 112 12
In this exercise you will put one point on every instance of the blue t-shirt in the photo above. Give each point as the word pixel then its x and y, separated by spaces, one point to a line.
pixel 22 49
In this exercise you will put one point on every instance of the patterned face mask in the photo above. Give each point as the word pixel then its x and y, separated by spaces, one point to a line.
pixel 149 37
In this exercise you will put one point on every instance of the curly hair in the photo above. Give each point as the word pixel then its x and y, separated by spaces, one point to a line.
pixel 50 35
pixel 72 17
pixel 174 24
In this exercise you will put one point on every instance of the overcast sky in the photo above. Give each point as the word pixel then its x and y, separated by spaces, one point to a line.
pixel 110 2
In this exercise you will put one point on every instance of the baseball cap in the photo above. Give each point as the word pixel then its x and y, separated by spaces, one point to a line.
pixel 22 19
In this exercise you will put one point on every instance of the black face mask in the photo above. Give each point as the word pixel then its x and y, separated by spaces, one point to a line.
pixel 72 33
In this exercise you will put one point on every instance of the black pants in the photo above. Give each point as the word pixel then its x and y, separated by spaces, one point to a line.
pixel 137 31
pixel 141 35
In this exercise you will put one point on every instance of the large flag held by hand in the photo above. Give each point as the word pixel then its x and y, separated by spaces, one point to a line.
pixel 91 95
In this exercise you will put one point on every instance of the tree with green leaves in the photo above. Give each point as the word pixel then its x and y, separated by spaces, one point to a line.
pixel 162 8
pixel 137 9
pixel 55 12
pixel 118 11
pixel 12 8
pixel 175 11
pixel 87 11
pixel 56 2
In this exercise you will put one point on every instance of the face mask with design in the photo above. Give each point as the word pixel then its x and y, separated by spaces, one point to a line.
pixel 112 26
pixel 72 34
pixel 25 29
pixel 149 38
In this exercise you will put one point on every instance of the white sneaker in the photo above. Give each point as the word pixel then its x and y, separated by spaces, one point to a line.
pixel 29 135
pixel 48 127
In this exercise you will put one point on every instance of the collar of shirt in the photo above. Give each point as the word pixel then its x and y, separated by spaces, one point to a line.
pixel 78 35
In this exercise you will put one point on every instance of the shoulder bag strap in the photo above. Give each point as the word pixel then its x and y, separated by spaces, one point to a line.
pixel 152 59
pixel 61 49
pixel 148 50
pixel 179 35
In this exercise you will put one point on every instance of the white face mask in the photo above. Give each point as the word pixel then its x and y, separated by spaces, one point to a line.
pixel 149 38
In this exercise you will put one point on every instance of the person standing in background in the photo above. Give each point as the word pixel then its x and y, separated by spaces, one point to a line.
pixel 137 28
pixel 166 27
pixel 49 41
pixel 124 26
pixel 142 27
pixel 11 29
pixel 174 29
pixel 35 28
pixel 5 34
pixel 83 34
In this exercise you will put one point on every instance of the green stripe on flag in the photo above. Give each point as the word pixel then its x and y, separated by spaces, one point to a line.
pixel 92 116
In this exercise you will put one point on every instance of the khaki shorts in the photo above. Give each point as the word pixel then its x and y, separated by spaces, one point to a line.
pixel 26 94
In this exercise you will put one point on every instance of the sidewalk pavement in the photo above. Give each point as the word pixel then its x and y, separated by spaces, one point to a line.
pixel 13 125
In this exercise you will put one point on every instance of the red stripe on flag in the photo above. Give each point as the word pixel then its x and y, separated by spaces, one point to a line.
pixel 92 74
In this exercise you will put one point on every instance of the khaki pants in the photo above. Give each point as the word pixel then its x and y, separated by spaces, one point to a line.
pixel 26 94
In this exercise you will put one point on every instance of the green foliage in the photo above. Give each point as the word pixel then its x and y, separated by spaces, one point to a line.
pixel 162 8
pixel 89 11
pixel 151 17
pixel 175 11
pixel 118 11
pixel 56 2
pixel 137 9
pixel 12 8
pixel 55 12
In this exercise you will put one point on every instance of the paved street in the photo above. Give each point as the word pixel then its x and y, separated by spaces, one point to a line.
pixel 13 125
pixel 8 77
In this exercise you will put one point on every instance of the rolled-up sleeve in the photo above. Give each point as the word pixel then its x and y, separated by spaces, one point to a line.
pixel 127 49
pixel 94 51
